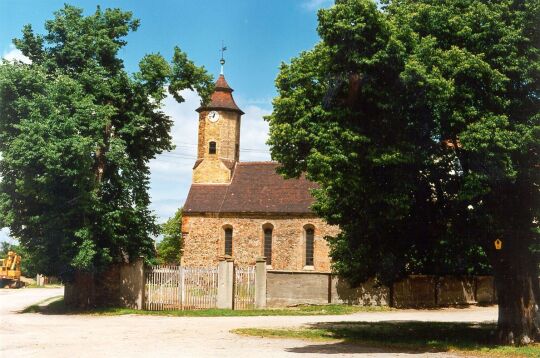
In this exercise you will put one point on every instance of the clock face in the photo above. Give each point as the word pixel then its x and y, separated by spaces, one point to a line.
pixel 213 116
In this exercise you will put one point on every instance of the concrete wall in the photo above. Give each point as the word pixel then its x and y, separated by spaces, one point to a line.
pixel 80 292
pixel 289 288
pixel 415 291
pixel 485 290
pixel 121 285
pixel 431 291
pixel 205 241
pixel 131 293
pixel 367 294
pixel 455 290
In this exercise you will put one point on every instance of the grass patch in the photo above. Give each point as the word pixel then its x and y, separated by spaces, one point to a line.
pixel 58 307
pixel 45 286
pixel 293 311
pixel 466 338
pixel 41 305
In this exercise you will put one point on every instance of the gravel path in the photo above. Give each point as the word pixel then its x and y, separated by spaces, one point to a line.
pixel 38 335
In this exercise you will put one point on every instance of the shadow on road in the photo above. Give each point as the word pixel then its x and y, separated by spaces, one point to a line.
pixel 393 336
pixel 345 348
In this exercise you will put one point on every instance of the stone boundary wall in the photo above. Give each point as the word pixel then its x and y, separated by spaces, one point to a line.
pixel 123 286
pixel 289 288
pixel 120 286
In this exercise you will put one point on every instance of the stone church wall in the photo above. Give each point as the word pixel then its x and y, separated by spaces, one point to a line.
pixel 211 170
pixel 205 240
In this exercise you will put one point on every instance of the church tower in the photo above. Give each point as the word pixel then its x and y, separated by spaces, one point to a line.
pixel 218 148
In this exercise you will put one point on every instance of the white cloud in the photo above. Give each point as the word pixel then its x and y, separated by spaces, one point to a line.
pixel 315 4
pixel 171 171
pixel 253 135
pixel 14 54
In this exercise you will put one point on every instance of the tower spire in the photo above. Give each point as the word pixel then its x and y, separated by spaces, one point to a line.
pixel 222 61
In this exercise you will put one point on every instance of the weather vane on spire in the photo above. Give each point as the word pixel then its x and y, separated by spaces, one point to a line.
pixel 222 61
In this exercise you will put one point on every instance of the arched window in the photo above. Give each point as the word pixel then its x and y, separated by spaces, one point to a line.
pixel 310 243
pixel 267 229
pixel 212 148
pixel 228 241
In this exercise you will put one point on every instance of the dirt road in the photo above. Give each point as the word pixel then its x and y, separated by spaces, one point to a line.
pixel 38 335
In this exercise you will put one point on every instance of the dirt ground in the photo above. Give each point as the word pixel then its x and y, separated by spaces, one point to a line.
pixel 38 335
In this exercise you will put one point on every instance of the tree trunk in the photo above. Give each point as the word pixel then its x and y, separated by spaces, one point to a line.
pixel 516 281
pixel 100 154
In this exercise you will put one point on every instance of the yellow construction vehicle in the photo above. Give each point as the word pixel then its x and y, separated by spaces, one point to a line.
pixel 10 271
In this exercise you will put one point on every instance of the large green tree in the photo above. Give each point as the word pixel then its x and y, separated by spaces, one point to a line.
pixel 420 121
pixel 76 135
pixel 169 248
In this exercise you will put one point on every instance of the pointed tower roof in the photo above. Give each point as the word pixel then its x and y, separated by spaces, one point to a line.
pixel 222 98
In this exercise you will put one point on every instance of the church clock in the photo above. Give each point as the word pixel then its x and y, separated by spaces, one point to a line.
pixel 213 116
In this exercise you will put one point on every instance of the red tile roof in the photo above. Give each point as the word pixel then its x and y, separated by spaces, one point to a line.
pixel 222 84
pixel 221 98
pixel 205 198
pixel 255 188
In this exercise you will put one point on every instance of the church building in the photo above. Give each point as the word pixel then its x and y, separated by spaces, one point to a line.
pixel 245 210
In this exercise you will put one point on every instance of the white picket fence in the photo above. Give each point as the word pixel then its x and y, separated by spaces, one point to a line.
pixel 180 288
pixel 244 288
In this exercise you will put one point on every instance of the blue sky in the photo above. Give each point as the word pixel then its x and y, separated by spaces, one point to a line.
pixel 259 36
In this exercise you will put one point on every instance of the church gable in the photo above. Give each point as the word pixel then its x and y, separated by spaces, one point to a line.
pixel 211 170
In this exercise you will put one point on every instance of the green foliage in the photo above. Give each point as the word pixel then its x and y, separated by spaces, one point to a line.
pixel 76 135
pixel 419 120
pixel 168 249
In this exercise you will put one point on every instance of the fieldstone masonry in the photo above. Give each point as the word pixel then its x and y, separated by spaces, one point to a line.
pixel 204 240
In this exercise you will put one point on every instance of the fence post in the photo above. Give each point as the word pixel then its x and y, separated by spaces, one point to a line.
pixel 139 283
pixel 225 294
pixel 260 283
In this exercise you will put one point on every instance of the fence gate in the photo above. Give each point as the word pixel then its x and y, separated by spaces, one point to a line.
pixel 176 287
pixel 163 288
pixel 244 288
pixel 199 289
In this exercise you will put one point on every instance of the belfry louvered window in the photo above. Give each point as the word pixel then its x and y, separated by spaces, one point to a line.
pixel 268 245
pixel 310 243
pixel 212 148
pixel 228 241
